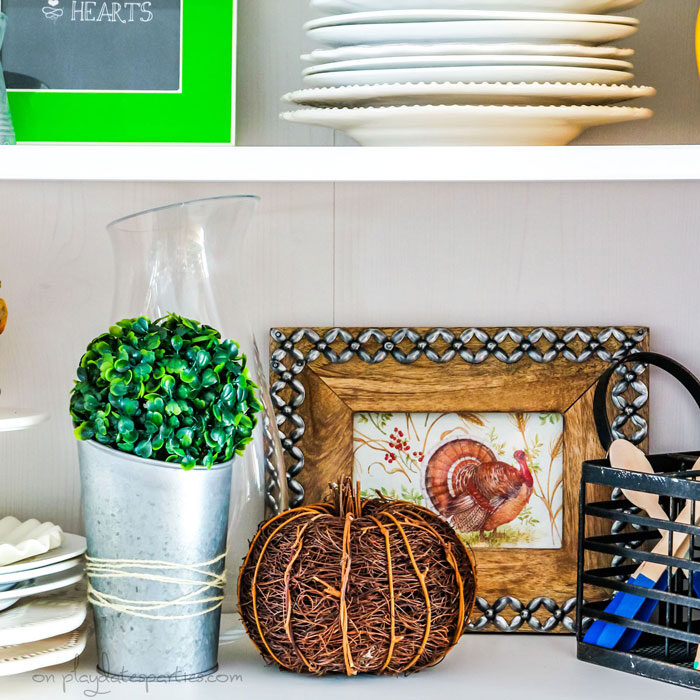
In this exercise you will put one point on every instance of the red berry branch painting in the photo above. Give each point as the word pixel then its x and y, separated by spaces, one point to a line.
pixel 496 477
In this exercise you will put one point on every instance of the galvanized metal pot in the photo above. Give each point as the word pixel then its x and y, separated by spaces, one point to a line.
pixel 142 509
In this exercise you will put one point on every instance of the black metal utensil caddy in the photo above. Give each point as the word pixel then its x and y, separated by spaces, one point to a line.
pixel 667 648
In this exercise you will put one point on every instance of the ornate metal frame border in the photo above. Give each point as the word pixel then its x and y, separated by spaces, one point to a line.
pixel 474 346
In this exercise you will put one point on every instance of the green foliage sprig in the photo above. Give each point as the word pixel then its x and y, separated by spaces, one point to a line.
pixel 169 390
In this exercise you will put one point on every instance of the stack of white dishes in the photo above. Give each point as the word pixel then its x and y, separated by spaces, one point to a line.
pixel 38 631
pixel 467 72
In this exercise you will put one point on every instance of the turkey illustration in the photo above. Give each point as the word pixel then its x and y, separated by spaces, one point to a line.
pixel 468 486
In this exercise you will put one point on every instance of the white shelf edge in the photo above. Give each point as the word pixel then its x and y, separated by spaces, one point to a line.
pixel 197 163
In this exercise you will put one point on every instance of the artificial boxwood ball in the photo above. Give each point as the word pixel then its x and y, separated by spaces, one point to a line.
pixel 356 586
pixel 169 390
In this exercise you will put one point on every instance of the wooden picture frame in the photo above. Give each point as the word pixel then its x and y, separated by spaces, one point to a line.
pixel 321 377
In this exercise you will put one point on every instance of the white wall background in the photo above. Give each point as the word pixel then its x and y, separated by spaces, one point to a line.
pixel 423 254
pixel 368 254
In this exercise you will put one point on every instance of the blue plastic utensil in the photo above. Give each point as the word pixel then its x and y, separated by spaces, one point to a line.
pixel 648 575
pixel 597 634
pixel 597 628
pixel 632 607
pixel 630 636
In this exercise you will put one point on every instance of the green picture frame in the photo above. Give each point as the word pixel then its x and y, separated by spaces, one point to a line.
pixel 201 112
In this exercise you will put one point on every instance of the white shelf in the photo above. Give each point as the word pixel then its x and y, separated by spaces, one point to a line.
pixel 309 164
pixel 494 667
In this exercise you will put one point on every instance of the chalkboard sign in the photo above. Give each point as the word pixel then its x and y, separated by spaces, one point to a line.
pixel 93 45
pixel 121 71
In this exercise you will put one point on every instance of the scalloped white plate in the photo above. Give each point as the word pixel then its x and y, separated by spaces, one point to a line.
pixel 586 6
pixel 41 618
pixel 447 61
pixel 469 74
pixel 44 585
pixel 21 540
pixel 351 53
pixel 38 572
pixel 21 658
pixel 73 546
pixel 19 419
pixel 421 15
pixel 464 125
pixel 546 94
pixel 497 30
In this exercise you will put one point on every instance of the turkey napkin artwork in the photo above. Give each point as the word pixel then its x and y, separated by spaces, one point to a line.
pixel 496 477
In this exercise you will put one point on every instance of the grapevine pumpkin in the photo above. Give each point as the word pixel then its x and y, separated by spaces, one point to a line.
pixel 356 586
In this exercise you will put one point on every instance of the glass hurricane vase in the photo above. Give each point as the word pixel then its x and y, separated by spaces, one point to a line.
pixel 192 259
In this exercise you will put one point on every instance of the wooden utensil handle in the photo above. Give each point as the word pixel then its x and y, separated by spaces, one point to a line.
pixel 679 547
pixel 648 502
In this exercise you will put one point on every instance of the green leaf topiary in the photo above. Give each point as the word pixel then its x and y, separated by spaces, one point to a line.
pixel 169 390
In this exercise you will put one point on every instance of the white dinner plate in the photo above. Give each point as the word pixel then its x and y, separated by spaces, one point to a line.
pixel 43 585
pixel 19 419
pixel 470 74
pixel 71 547
pixel 20 540
pixel 475 30
pixel 455 61
pixel 21 658
pixel 399 16
pixel 586 6
pixel 41 618
pixel 451 125
pixel 40 572
pixel 467 93
pixel 352 53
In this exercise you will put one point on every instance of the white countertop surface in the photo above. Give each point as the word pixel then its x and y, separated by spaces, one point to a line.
pixel 488 667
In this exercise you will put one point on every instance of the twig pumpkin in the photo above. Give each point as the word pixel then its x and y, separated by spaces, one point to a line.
pixel 356 586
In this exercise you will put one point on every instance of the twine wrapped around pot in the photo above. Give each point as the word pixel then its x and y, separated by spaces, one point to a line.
pixel 356 586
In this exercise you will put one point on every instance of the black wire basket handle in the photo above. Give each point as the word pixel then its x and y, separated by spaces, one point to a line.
pixel 600 411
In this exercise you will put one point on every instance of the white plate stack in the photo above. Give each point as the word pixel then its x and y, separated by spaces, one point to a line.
pixel 36 629
pixel 467 72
